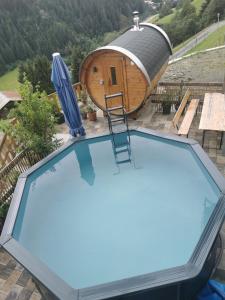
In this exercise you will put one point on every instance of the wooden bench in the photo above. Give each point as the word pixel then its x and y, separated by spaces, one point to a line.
pixel 189 115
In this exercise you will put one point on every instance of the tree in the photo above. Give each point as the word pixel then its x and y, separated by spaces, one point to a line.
pixel 34 126
pixel 203 7
pixel 166 9
pixel 184 24
pixel 76 59
pixel 42 74
pixel 2 65
pixel 187 10
pixel 209 15
pixel 38 73
pixel 83 46
pixel 30 28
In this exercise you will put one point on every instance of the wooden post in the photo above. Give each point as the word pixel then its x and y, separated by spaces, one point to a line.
pixel 224 83
pixel 181 91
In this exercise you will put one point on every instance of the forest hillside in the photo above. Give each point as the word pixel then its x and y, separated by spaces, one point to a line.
pixel 31 27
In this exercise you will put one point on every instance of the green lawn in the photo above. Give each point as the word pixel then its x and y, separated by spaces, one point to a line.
pixel 8 82
pixel 166 19
pixel 215 39
pixel 153 19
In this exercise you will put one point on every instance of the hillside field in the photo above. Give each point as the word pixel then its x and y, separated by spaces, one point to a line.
pixel 168 19
pixel 8 82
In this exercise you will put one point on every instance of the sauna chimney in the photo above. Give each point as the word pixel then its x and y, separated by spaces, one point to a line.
pixel 136 21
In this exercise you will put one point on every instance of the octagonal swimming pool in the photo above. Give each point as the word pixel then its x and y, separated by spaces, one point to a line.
pixel 92 223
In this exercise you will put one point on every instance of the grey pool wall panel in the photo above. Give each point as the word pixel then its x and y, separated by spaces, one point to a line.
pixel 168 284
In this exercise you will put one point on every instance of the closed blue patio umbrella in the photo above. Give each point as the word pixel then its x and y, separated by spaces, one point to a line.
pixel 61 80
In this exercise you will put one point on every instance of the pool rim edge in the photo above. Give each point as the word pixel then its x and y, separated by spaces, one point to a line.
pixel 125 286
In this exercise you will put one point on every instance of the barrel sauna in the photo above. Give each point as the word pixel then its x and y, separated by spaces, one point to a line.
pixel 132 64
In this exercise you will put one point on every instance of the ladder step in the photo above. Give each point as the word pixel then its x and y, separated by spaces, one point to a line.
pixel 124 161
pixel 119 127
pixel 113 96
pixel 122 145
pixel 119 131
pixel 122 151
pixel 115 108
pixel 117 124
pixel 117 120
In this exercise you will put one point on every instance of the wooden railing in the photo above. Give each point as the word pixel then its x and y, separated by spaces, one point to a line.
pixel 77 87
pixel 7 150
pixel 174 91
pixel 10 173
pixel 8 147
pixel 11 166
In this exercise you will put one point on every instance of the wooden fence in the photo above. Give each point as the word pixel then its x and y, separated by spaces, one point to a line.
pixel 11 166
pixel 173 92
pixel 10 173
pixel 7 150
pixel 77 87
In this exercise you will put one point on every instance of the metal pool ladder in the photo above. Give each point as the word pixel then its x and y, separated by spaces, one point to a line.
pixel 118 125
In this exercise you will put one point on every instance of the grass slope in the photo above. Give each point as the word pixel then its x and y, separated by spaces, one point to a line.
pixel 178 47
pixel 8 82
pixel 215 39
pixel 167 19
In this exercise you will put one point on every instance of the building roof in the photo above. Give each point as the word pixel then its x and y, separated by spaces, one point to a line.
pixel 7 96
pixel 150 45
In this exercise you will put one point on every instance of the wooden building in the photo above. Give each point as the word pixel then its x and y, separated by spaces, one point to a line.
pixel 131 64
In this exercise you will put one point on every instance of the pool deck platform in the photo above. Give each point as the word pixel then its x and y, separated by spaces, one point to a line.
pixel 16 283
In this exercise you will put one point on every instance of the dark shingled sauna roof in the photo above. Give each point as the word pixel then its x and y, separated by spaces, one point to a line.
pixel 150 45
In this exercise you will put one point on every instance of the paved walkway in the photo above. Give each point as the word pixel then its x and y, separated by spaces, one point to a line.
pixel 16 283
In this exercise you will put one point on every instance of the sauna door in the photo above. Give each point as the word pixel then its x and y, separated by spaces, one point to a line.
pixel 113 78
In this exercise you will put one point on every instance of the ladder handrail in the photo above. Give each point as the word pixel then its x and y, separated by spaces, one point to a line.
pixel 110 119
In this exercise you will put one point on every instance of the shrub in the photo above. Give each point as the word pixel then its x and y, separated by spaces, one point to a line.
pixel 34 125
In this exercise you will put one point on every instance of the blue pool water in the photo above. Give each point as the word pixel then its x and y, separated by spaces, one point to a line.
pixel 92 221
